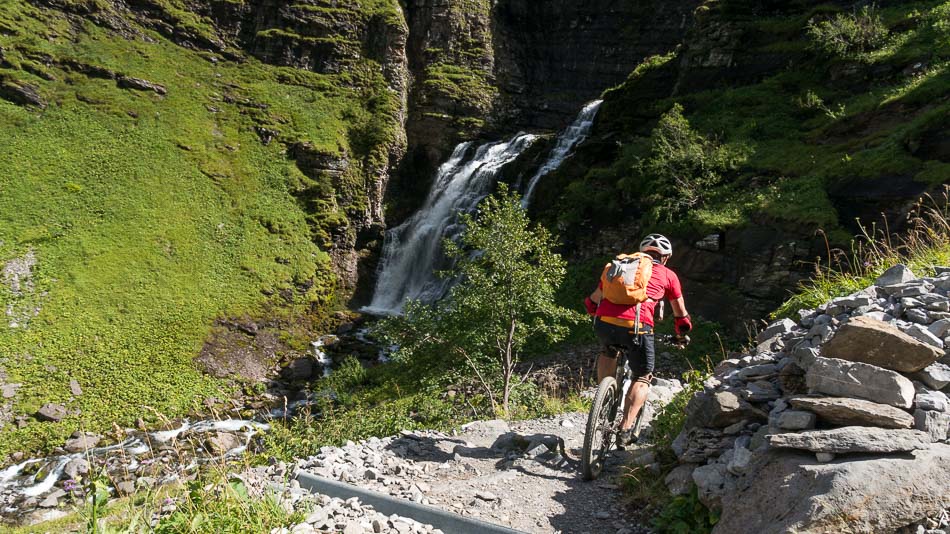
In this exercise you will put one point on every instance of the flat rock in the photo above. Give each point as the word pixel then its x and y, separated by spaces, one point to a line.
pixel 867 340
pixel 840 378
pixel 21 93
pixel 51 412
pixel 777 328
pixel 935 424
pixel 854 412
pixel 932 400
pixel 852 439
pixel 719 410
pixel 680 479
pixel 796 420
pixel 936 375
pixel 82 443
pixel 897 274
pixel 789 491
pixel 128 82
pixel 922 334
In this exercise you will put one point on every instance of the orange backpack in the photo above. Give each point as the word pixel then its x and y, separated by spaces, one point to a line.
pixel 625 278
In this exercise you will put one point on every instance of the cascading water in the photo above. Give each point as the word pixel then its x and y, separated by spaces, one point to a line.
pixel 413 250
pixel 566 141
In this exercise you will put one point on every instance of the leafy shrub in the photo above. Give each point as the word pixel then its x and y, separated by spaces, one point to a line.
pixel 684 166
pixel 685 514
pixel 849 34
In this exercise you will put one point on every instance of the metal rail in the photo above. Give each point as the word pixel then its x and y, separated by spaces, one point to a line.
pixel 448 522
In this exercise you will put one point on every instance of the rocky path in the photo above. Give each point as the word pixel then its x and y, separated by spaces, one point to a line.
pixel 509 474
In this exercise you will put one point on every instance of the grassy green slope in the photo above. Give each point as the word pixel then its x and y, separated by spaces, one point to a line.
pixel 149 215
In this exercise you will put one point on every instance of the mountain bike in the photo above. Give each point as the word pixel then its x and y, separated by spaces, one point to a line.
pixel 603 422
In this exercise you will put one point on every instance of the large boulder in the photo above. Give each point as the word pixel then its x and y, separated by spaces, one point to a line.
pixel 867 340
pixel 840 378
pixel 791 492
pixel 853 439
pixel 847 412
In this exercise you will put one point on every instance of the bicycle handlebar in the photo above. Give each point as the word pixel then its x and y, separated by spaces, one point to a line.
pixel 673 339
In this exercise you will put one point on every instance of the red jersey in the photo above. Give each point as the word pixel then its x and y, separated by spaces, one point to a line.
pixel 663 284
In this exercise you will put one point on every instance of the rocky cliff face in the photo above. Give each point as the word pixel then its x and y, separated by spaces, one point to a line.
pixel 494 67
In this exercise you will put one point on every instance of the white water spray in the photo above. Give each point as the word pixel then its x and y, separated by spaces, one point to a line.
pixel 413 250
pixel 566 141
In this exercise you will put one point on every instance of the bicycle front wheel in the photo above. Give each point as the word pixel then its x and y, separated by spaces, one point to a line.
pixel 599 432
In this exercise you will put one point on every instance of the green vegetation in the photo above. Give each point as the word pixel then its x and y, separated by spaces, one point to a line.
pixel 683 167
pixel 150 216
pixel 503 303
pixel 849 35
pixel 774 148
pixel 922 246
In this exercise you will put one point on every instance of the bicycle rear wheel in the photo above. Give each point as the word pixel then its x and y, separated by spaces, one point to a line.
pixel 599 432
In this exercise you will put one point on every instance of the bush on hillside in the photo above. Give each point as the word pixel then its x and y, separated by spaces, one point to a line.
pixel 684 165
pixel 849 34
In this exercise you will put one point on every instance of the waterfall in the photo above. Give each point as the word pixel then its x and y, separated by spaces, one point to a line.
pixel 566 141
pixel 412 252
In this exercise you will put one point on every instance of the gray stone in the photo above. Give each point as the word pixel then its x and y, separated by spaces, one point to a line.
pixel 936 375
pixel 922 334
pixel 778 328
pixel 918 316
pixel 851 439
pixel 932 400
pixel 871 341
pixel 704 443
pixel 680 479
pixel 125 487
pixel 804 356
pixel 82 443
pixel 940 328
pixel 856 300
pixel 840 378
pixel 791 492
pixel 760 391
pixel 719 410
pixel 824 457
pixel 74 388
pixel 51 412
pixel 758 371
pixel 486 495
pixel 741 457
pixel 897 274
pixel 796 420
pixel 76 468
pixel 9 390
pixel 710 482
pixel 935 424
pixel 128 82
pixel 846 411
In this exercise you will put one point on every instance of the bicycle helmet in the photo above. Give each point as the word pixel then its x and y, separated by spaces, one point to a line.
pixel 656 243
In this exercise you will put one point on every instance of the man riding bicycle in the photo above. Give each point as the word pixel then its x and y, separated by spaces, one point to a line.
pixel 617 329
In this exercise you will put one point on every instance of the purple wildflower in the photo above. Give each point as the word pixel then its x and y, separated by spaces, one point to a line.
pixel 70 485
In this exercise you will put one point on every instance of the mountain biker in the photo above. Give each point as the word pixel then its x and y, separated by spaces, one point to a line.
pixel 615 327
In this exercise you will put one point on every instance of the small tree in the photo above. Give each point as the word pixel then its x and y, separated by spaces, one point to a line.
pixel 849 35
pixel 504 299
pixel 684 165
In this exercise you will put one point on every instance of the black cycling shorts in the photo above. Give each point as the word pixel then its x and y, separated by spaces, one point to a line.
pixel 641 351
